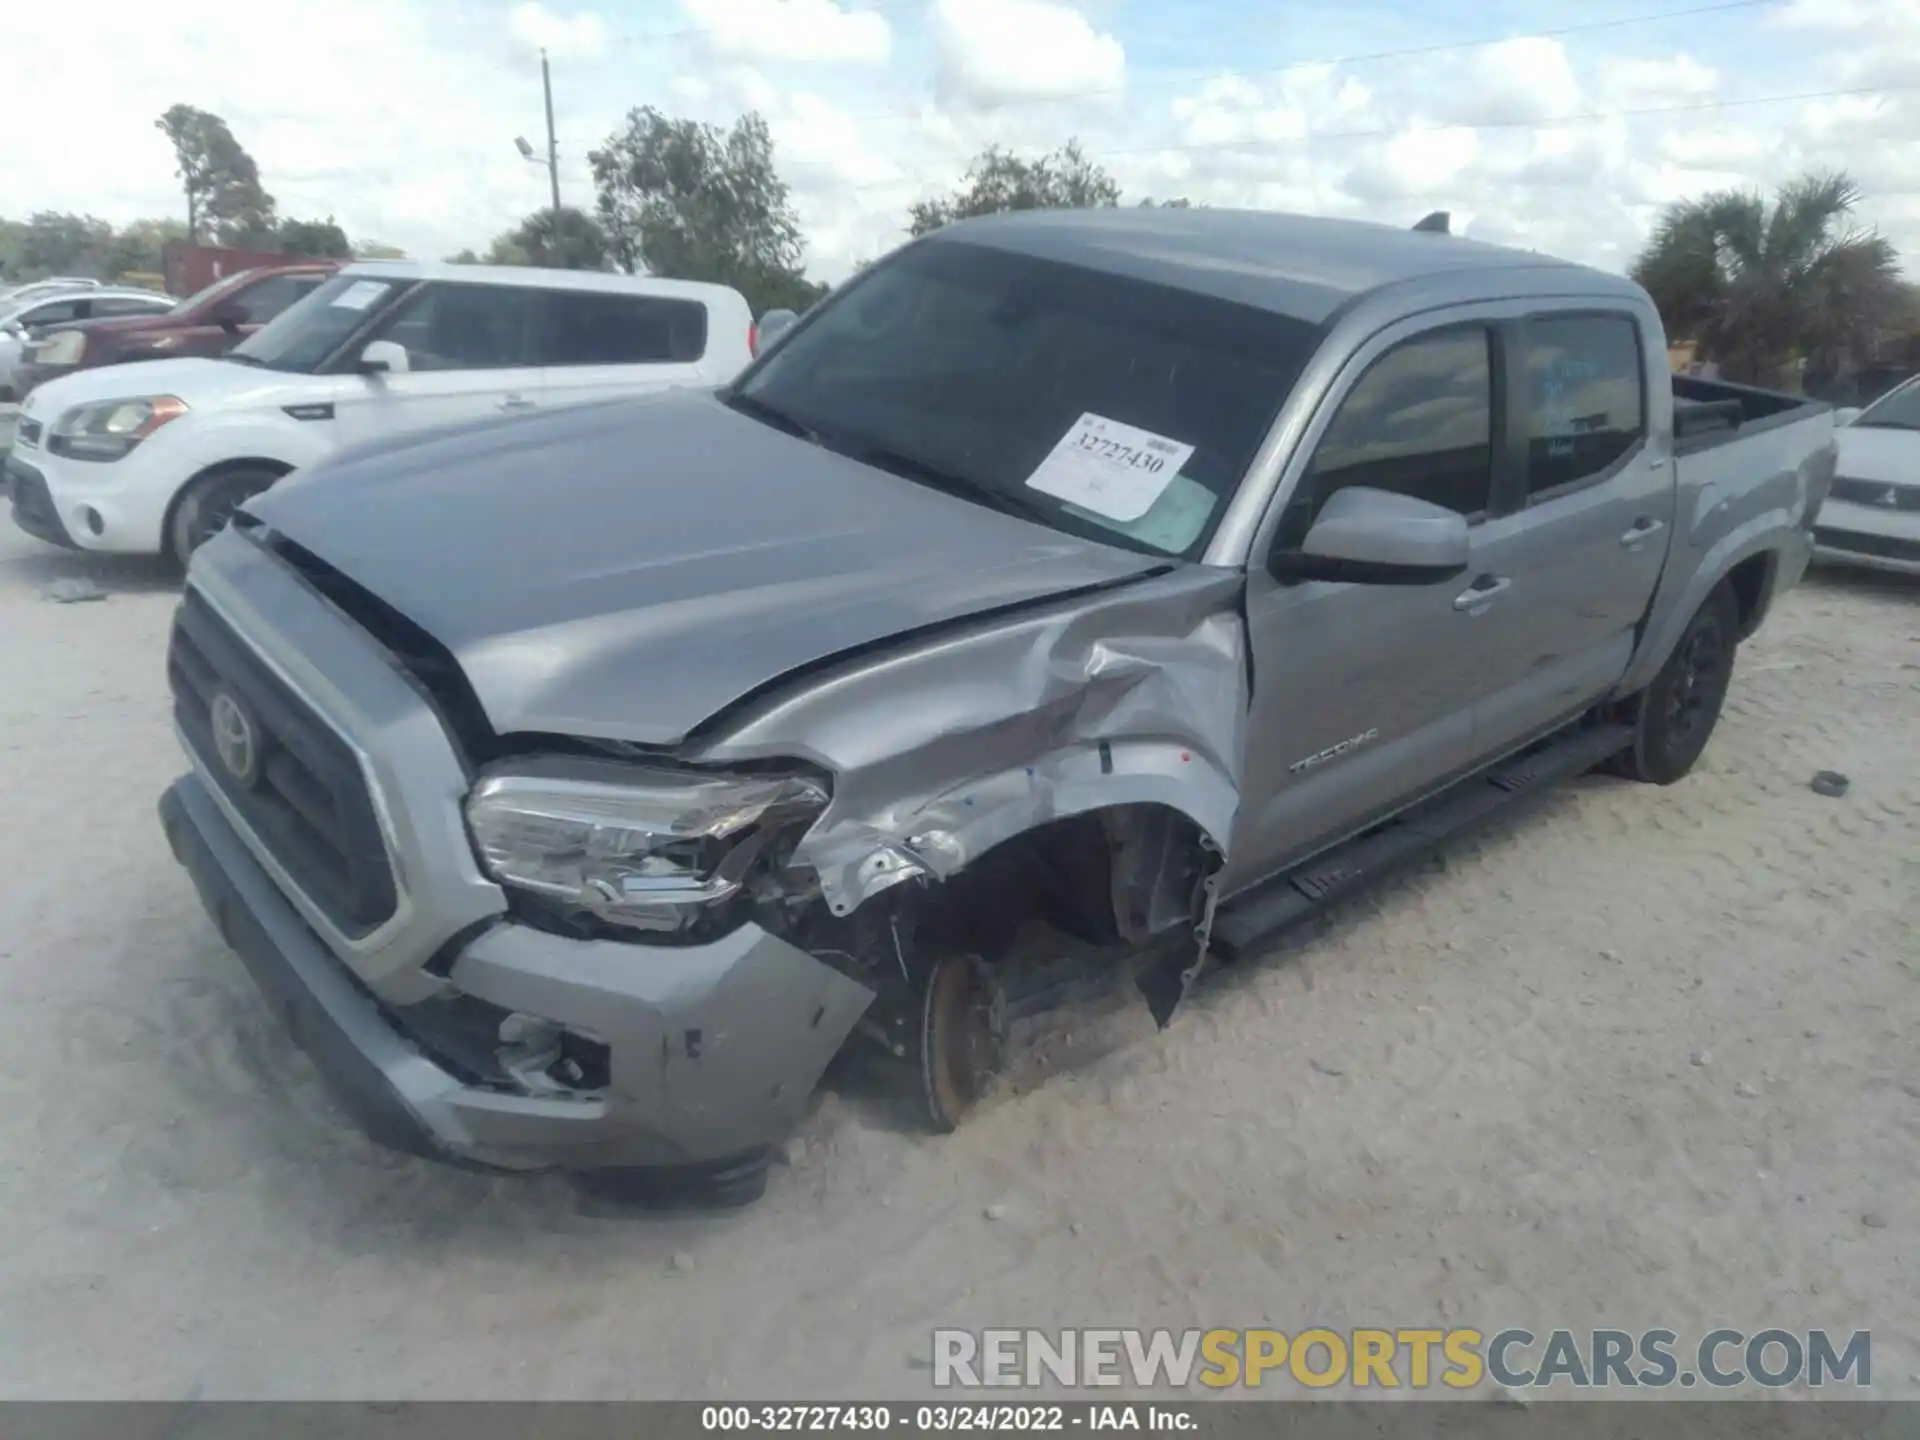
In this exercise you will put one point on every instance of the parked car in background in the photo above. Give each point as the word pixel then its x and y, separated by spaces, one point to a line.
pixel 208 323
pixel 34 289
pixel 576 787
pixel 157 456
pixel 28 323
pixel 1872 516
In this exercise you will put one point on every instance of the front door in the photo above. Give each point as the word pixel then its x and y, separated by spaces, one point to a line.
pixel 472 353
pixel 1587 538
pixel 1362 694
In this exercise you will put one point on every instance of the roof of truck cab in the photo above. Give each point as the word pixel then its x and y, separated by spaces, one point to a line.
pixel 1299 265
pixel 537 278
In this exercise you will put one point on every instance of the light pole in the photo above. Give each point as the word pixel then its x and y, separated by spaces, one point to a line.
pixel 552 160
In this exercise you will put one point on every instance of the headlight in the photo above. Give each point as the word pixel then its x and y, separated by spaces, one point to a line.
pixel 109 429
pixel 62 348
pixel 640 847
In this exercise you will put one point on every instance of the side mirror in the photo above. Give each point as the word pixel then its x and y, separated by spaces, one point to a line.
pixel 772 326
pixel 1846 415
pixel 1375 537
pixel 383 357
pixel 229 316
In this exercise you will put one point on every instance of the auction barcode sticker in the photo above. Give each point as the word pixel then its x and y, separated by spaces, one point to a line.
pixel 1109 467
pixel 360 294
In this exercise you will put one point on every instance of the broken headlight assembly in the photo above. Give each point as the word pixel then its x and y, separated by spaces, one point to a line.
pixel 634 848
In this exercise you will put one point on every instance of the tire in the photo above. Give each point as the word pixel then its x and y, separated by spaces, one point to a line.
pixel 1679 710
pixel 208 503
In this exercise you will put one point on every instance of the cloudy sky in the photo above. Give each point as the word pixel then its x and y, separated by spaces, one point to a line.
pixel 1561 125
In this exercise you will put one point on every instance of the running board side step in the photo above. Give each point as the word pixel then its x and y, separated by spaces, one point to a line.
pixel 1284 901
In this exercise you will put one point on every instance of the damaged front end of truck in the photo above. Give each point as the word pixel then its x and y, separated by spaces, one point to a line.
pixel 1004 810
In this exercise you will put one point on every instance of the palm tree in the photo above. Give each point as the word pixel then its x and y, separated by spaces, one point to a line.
pixel 1757 288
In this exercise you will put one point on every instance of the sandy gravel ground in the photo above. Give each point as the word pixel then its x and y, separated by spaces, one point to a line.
pixel 1640 1058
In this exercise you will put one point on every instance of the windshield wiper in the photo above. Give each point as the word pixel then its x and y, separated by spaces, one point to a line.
pixel 756 408
pixel 912 467
pixel 1885 425
pixel 240 359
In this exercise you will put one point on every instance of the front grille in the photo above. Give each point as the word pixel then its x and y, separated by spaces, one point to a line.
pixel 303 794
pixel 1887 547
pixel 1876 493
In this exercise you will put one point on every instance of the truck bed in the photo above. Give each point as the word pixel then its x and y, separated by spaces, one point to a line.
pixel 1707 413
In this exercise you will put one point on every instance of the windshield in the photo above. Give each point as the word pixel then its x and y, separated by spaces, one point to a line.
pixel 1098 404
pixel 209 292
pixel 302 337
pixel 1898 410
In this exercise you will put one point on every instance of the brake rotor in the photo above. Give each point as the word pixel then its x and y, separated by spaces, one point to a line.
pixel 962 1024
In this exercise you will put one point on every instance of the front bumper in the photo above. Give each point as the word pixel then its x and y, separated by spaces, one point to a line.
pixel 1880 537
pixel 713 1050
pixel 119 507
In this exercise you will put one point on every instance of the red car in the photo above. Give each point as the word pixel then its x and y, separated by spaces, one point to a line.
pixel 209 323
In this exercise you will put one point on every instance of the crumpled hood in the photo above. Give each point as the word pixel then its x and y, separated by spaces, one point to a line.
pixel 626 570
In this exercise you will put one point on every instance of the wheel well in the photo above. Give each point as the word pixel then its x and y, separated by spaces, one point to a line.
pixel 1752 584
pixel 277 467
pixel 1103 876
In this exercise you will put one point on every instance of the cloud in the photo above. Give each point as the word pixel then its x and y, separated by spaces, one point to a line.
pixel 421 150
pixel 994 51
pixel 794 31
pixel 561 36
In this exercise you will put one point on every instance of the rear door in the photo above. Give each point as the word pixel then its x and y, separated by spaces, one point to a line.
pixel 598 344
pixel 1577 559
pixel 1364 695
pixel 472 353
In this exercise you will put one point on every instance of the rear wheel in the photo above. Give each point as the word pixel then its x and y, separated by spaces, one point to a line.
pixel 209 505
pixel 1679 710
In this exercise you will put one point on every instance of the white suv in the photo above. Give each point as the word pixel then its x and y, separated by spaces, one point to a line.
pixel 157 456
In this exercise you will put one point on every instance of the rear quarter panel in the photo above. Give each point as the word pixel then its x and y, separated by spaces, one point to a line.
pixel 1754 494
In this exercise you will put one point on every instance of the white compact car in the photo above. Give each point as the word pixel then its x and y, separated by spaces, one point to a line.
pixel 1872 514
pixel 156 457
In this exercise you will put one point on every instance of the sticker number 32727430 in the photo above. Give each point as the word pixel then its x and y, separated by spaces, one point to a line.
pixel 1111 468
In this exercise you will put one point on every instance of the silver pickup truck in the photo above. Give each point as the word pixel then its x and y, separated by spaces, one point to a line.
pixel 1104 591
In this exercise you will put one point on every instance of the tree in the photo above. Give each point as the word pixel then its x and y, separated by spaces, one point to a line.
pixel 464 257
pixel 55 243
pixel 1000 180
pixel 139 247
pixel 1757 287
pixel 691 201
pixel 315 239
pixel 377 250
pixel 224 196
pixel 581 244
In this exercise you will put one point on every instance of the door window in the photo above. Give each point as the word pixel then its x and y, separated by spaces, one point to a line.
pixel 1418 423
pixel 586 327
pixel 54 312
pixel 1584 403
pixel 468 327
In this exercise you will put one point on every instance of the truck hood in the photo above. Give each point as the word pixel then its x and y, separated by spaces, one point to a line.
pixel 1867 453
pixel 626 570
pixel 203 384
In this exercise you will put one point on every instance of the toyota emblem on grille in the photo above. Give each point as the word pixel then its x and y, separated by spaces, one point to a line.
pixel 234 738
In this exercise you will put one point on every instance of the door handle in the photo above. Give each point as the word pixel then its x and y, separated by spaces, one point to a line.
pixel 1643 529
pixel 516 402
pixel 1483 591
